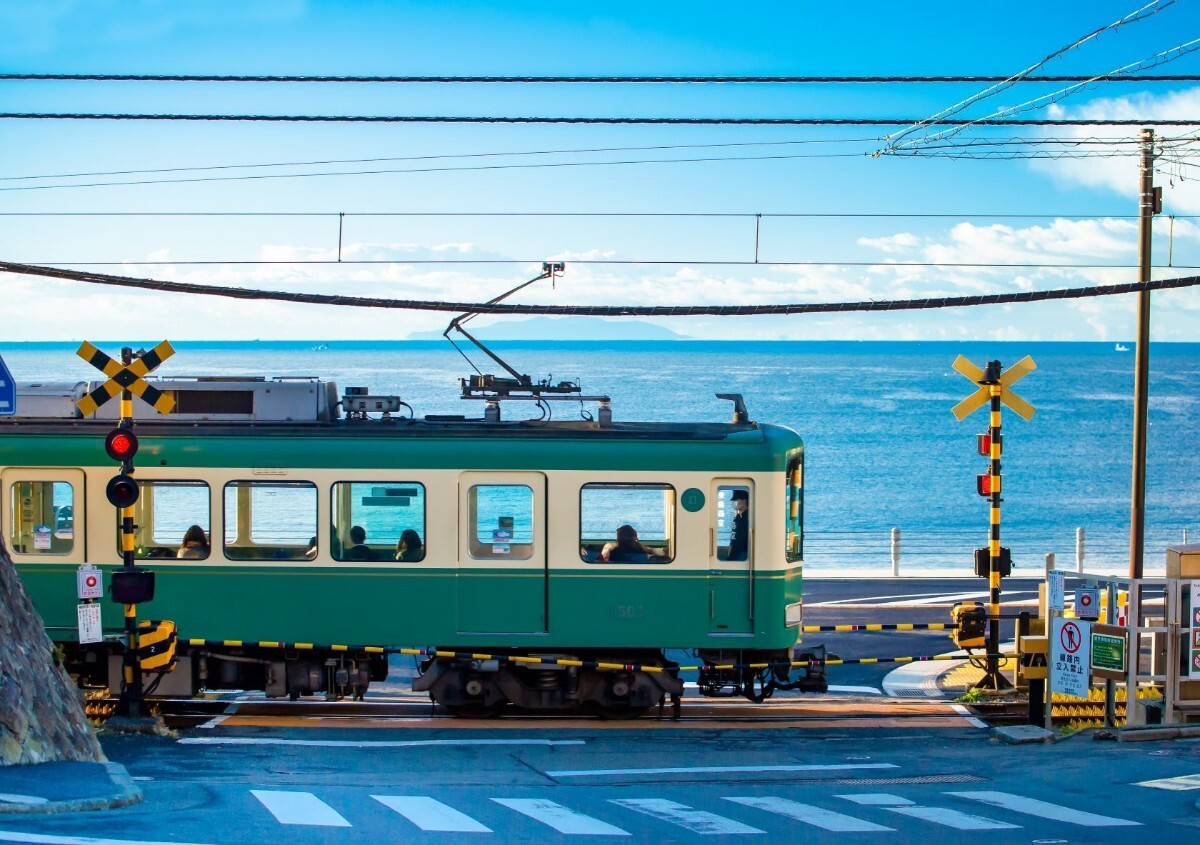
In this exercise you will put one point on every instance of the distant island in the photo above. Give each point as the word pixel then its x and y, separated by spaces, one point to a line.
pixel 563 328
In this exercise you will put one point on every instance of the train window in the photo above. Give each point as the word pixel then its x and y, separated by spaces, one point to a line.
pixel 608 512
pixel 43 517
pixel 173 520
pixel 378 520
pixel 503 518
pixel 270 520
pixel 794 518
pixel 733 522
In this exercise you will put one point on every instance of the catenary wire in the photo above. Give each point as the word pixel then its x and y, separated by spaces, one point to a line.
pixel 610 262
pixel 599 310
pixel 607 80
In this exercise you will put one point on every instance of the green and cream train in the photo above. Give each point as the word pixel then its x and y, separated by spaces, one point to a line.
pixel 314 519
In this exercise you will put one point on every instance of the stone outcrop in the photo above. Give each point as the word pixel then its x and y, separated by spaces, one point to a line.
pixel 41 712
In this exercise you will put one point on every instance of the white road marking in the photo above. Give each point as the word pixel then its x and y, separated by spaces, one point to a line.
pixel 697 821
pixel 979 723
pixel 1182 782
pixel 687 770
pixel 213 722
pixel 431 814
pixel 807 813
pixel 299 808
pixel 877 799
pixel 561 818
pixel 953 818
pixel 1046 810
pixel 11 798
pixel 45 839
pixel 341 743
pixel 858 690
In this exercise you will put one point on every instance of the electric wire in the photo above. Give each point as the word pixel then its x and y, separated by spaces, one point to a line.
pixel 610 262
pixel 604 80
pixel 579 120
pixel 599 310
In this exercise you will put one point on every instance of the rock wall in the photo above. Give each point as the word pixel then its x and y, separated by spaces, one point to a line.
pixel 41 711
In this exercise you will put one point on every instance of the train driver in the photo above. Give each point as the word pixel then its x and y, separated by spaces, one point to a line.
pixel 739 535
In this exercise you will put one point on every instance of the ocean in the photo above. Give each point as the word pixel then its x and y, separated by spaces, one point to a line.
pixel 883 450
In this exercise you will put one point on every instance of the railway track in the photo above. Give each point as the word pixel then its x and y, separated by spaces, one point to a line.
pixel 183 714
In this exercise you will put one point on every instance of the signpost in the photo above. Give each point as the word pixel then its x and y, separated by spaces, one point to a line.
pixel 8 392
pixel 1056 590
pixel 1109 652
pixel 1194 638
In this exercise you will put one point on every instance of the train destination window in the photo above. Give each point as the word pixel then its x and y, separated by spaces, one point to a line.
pixel 173 520
pixel 733 522
pixel 502 516
pixel 43 517
pixel 378 520
pixel 270 520
pixel 627 523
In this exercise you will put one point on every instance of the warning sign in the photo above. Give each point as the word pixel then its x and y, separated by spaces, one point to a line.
pixel 89 623
pixel 1087 602
pixel 1071 657
pixel 87 581
pixel 1194 651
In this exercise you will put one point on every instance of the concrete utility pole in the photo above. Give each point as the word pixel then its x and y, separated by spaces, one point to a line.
pixel 1150 204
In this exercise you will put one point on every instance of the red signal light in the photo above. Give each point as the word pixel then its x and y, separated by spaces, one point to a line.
pixel 121 444
pixel 984 442
pixel 983 485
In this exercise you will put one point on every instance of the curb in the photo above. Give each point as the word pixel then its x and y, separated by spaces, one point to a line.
pixel 126 795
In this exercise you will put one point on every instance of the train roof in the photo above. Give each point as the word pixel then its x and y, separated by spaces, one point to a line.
pixel 308 420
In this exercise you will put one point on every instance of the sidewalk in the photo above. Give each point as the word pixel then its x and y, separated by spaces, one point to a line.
pixel 936 679
pixel 65 788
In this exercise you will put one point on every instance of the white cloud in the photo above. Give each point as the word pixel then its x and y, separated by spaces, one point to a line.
pixel 1121 174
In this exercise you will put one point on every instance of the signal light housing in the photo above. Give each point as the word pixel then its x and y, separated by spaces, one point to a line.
pixel 983 485
pixel 122 491
pixel 132 585
pixel 983 562
pixel 121 445
pixel 983 443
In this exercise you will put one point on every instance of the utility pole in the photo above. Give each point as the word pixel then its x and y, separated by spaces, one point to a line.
pixel 1150 203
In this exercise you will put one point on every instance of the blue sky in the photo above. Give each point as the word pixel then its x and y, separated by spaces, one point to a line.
pixel 1086 201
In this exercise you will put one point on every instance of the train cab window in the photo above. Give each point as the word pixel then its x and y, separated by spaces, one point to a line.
pixel 627 523
pixel 502 516
pixel 378 520
pixel 733 522
pixel 794 518
pixel 43 517
pixel 173 520
pixel 270 520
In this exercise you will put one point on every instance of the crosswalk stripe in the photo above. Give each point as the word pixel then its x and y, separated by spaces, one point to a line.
pixel 299 808
pixel 953 818
pixel 876 799
pixel 561 818
pixel 431 814
pixel 697 821
pixel 1046 810
pixel 807 813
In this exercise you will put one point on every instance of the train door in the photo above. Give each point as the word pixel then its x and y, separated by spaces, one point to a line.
pixel 43 517
pixel 502 553
pixel 731 557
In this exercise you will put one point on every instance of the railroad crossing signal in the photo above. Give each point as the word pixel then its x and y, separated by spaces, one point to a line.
pixel 980 397
pixel 126 377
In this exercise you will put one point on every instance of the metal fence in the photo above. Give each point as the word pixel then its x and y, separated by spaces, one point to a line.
pixel 897 552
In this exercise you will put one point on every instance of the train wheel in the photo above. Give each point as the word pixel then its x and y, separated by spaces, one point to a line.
pixel 476 711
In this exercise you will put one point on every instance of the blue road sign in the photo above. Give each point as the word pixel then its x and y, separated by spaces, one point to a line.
pixel 8 392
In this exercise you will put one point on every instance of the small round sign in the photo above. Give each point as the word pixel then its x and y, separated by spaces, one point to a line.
pixel 692 499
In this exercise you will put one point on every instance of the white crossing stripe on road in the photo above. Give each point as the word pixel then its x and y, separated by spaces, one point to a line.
pixel 1046 810
pixel 718 770
pixel 1181 783
pixel 807 813
pixel 697 821
pixel 431 814
pixel 937 815
pixel 561 818
pixel 299 808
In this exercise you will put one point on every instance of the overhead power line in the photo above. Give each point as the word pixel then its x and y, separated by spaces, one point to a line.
pixel 573 80
pixel 613 121
pixel 599 310
pixel 605 262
